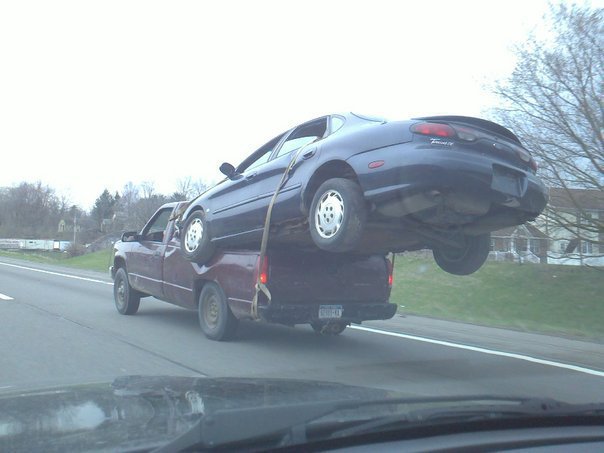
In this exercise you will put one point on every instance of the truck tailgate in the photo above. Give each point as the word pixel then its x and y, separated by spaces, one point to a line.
pixel 321 277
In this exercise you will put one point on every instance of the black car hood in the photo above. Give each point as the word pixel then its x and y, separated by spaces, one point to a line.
pixel 137 412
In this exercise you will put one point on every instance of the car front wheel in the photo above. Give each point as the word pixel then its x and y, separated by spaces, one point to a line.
pixel 466 259
pixel 127 300
pixel 195 238
pixel 337 215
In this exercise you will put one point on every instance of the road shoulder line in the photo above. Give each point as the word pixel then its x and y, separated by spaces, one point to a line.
pixel 511 355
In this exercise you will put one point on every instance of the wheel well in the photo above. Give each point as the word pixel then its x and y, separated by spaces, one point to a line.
pixel 197 287
pixel 332 169
pixel 118 263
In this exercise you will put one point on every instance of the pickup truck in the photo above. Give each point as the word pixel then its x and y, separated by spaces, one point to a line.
pixel 326 290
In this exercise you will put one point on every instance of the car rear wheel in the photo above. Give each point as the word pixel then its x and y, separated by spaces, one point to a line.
pixel 195 242
pixel 127 300
pixel 337 215
pixel 328 328
pixel 215 317
pixel 467 259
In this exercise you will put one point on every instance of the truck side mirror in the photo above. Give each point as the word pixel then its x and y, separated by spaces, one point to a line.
pixel 130 236
pixel 227 169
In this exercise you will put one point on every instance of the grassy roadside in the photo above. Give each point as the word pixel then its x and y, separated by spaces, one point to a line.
pixel 96 261
pixel 566 300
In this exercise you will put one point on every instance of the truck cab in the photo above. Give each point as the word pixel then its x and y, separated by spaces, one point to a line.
pixel 326 290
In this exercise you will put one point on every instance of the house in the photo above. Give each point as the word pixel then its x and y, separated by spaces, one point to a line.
pixel 520 243
pixel 574 222
pixel 570 231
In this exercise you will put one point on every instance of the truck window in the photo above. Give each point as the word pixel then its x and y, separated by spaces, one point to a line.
pixel 154 231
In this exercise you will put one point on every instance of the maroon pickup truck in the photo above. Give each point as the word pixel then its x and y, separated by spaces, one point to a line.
pixel 326 290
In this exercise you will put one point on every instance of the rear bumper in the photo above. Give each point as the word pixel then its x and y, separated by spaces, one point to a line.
pixel 415 168
pixel 307 313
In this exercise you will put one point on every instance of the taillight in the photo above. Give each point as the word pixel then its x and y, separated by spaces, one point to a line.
pixel 434 129
pixel 390 272
pixel 263 266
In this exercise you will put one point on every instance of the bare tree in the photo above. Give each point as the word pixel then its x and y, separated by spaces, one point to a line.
pixel 553 101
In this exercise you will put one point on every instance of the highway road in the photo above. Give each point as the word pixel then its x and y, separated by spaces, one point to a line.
pixel 60 326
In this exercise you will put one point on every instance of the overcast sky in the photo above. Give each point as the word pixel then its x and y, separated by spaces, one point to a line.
pixel 96 94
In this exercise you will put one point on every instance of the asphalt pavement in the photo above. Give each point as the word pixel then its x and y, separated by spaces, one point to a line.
pixel 59 326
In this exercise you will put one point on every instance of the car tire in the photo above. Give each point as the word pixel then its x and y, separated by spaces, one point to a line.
pixel 328 328
pixel 215 316
pixel 195 240
pixel 337 215
pixel 467 260
pixel 127 300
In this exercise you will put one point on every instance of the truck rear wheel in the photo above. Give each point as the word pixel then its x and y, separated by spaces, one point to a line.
pixel 127 300
pixel 215 317
pixel 195 242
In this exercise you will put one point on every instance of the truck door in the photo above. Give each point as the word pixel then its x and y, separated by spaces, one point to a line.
pixel 145 261
pixel 179 273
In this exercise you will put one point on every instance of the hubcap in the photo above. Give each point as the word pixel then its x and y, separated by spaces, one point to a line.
pixel 194 235
pixel 121 293
pixel 211 312
pixel 329 214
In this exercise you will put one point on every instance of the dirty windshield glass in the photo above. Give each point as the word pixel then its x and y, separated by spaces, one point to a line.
pixel 202 246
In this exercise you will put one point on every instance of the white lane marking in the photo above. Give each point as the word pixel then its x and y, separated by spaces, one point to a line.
pixel 483 350
pixel 5 297
pixel 75 277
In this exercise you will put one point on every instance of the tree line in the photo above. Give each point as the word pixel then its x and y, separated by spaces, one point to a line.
pixel 36 211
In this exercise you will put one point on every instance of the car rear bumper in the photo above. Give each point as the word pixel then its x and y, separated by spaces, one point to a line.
pixel 472 181
pixel 307 313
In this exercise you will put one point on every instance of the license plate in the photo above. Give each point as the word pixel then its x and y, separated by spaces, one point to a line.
pixel 330 311
pixel 505 182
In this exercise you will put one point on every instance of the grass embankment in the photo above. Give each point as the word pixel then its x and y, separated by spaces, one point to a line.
pixel 567 300
pixel 95 261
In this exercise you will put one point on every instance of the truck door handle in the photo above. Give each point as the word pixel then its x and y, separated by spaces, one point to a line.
pixel 251 176
pixel 308 154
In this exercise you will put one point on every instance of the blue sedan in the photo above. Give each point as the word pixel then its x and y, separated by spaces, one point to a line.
pixel 348 183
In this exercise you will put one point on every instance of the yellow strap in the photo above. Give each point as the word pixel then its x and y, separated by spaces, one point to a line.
pixel 267 223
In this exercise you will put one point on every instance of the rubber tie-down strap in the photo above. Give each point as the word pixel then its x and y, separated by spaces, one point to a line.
pixel 261 287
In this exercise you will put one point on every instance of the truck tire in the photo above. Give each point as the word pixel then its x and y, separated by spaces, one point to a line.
pixel 328 328
pixel 215 317
pixel 468 259
pixel 127 300
pixel 195 242
pixel 337 215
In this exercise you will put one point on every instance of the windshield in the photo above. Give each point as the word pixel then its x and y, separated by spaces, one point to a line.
pixel 449 256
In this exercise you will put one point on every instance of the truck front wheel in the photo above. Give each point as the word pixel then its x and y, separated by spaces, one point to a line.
pixel 126 299
pixel 215 317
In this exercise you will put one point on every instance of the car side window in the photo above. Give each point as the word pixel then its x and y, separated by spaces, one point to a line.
pixel 303 135
pixel 260 156
pixel 154 231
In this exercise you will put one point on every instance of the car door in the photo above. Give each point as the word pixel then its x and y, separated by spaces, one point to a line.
pixel 145 266
pixel 233 200
pixel 287 205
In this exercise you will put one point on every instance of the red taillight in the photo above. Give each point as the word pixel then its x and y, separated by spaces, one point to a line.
pixel 390 273
pixel 434 129
pixel 263 270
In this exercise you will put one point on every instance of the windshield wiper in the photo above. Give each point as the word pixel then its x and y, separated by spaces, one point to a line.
pixel 289 424
pixel 535 408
